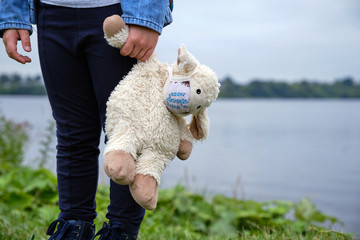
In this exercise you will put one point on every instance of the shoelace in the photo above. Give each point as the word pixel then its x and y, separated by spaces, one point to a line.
pixel 61 230
pixel 104 232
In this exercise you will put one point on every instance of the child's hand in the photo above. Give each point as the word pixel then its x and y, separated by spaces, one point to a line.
pixel 10 38
pixel 141 43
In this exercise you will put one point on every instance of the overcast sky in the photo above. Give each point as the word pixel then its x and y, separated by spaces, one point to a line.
pixel 246 39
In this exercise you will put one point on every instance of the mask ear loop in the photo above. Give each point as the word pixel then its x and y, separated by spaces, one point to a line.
pixel 170 73
pixel 183 78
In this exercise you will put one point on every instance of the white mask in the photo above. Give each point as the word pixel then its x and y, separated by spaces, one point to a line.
pixel 178 94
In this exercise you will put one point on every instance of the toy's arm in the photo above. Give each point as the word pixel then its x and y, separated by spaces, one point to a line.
pixel 135 41
pixel 116 31
pixel 186 145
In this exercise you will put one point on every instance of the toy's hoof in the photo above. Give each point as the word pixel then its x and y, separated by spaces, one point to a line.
pixel 120 167
pixel 184 150
pixel 112 25
pixel 144 190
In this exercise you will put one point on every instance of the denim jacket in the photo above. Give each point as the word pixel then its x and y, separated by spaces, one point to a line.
pixel 154 14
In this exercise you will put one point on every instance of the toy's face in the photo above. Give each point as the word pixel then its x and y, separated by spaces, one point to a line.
pixel 185 96
pixel 197 98
pixel 191 86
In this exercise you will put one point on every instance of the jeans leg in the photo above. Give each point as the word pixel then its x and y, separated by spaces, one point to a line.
pixel 68 82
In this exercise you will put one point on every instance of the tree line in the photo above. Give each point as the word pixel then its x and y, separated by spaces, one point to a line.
pixel 20 85
pixel 345 87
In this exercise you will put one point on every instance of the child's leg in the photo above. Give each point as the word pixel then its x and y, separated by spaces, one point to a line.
pixel 70 91
pixel 80 73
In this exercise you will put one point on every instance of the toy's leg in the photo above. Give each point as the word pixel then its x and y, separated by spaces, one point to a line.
pixel 185 149
pixel 144 188
pixel 120 167
pixel 120 151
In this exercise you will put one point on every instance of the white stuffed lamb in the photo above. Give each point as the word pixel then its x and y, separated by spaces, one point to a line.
pixel 145 120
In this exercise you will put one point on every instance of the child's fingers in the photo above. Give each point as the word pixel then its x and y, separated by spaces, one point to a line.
pixel 141 43
pixel 127 48
pixel 10 39
pixel 147 55
pixel 25 40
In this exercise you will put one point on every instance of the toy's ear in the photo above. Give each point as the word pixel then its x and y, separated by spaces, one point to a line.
pixel 115 30
pixel 186 61
pixel 199 125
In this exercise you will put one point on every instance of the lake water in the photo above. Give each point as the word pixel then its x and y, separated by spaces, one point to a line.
pixel 257 149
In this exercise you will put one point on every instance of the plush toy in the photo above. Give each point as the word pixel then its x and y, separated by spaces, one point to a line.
pixel 145 120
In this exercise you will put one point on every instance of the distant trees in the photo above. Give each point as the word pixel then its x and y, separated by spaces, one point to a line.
pixel 345 87
pixel 16 84
pixel 341 88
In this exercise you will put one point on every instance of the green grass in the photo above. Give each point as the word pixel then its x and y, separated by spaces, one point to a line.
pixel 28 204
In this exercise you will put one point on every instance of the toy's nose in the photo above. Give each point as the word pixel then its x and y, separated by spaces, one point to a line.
pixel 185 113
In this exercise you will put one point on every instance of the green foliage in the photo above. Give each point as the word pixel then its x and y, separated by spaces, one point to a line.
pixel 28 200
pixel 22 188
pixel 46 144
pixel 306 211
pixel 342 88
pixel 183 215
pixel 12 140
pixel 28 197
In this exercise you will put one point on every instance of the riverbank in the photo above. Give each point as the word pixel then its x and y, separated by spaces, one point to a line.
pixel 29 205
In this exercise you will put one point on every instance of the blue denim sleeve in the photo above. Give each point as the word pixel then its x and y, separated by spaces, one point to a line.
pixel 14 14
pixel 154 14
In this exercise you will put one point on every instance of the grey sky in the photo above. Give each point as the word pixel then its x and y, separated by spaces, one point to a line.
pixel 278 39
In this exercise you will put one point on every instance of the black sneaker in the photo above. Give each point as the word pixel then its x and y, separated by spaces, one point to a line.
pixel 71 229
pixel 109 233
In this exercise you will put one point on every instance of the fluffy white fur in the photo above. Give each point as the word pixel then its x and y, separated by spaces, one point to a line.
pixel 119 38
pixel 138 121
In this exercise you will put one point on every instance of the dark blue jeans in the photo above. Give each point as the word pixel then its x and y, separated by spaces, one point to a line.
pixel 80 70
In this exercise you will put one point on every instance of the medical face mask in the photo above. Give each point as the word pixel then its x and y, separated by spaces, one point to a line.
pixel 178 94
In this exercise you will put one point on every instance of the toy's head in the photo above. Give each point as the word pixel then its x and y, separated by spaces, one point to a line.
pixel 190 90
